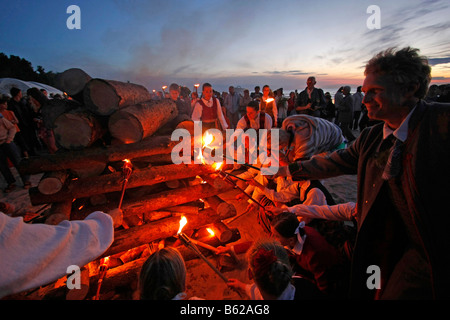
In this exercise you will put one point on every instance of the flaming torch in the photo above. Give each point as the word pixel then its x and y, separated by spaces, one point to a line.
pixel 127 169
pixel 189 243
pixel 104 266
pixel 196 87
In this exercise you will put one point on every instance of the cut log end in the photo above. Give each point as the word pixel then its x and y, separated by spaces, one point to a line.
pixel 105 98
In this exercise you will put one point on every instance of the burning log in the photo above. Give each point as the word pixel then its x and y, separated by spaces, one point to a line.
pixel 89 186
pixel 137 122
pixel 97 155
pixel 77 129
pixel 104 97
pixel 164 228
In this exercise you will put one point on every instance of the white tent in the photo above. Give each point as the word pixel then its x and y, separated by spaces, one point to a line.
pixel 7 83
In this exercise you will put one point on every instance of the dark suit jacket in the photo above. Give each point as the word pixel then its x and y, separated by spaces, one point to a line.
pixel 317 101
pixel 418 268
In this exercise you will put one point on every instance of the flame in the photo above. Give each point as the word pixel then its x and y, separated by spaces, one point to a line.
pixel 270 100
pixel 127 161
pixel 211 232
pixel 183 222
pixel 105 260
pixel 197 85
pixel 207 139
pixel 217 165
pixel 164 87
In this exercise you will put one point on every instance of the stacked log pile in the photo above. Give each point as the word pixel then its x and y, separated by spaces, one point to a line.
pixel 85 176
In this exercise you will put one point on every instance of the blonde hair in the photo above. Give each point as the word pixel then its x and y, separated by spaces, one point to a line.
pixel 163 275
pixel 269 264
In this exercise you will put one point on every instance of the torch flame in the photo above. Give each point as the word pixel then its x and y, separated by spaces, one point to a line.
pixel 217 165
pixel 127 161
pixel 207 139
pixel 197 85
pixel 269 100
pixel 183 222
pixel 211 232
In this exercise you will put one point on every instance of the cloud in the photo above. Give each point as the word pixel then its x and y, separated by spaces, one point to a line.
pixel 436 61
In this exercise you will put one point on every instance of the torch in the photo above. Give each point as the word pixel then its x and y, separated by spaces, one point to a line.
pixel 104 266
pixel 127 169
pixel 164 90
pixel 189 244
pixel 196 87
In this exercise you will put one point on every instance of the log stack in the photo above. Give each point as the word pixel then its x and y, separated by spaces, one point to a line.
pixel 84 177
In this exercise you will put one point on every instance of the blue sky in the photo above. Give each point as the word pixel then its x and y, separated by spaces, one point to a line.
pixel 238 42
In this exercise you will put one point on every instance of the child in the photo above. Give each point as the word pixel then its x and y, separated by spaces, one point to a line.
pixel 310 254
pixel 163 276
pixel 270 269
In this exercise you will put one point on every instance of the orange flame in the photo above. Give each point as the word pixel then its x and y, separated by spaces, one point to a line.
pixel 270 100
pixel 197 85
pixel 217 165
pixel 183 222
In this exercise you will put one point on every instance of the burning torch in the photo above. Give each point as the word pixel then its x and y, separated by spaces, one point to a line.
pixel 127 169
pixel 104 266
pixel 196 87
pixel 190 244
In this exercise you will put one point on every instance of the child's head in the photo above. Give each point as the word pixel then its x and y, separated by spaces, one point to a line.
pixel 284 227
pixel 163 275
pixel 269 267
pixel 3 103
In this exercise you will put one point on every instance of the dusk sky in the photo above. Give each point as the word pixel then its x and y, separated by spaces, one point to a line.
pixel 238 42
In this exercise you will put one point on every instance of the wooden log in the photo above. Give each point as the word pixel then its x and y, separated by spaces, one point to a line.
pixel 56 107
pixel 97 155
pixel 72 81
pixel 52 182
pixel 59 212
pixel 136 236
pixel 104 97
pixel 77 129
pixel 222 232
pixel 81 188
pixel 156 201
pixel 137 122
pixel 220 206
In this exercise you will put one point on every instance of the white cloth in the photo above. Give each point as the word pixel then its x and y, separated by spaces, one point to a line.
pixel 298 247
pixel 37 254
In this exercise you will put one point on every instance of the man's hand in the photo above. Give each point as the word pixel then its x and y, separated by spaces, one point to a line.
pixel 117 216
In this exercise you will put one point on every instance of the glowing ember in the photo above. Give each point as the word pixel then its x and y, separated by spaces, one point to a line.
pixel 211 232
pixel 183 222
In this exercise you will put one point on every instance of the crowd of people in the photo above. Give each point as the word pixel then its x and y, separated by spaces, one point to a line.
pixel 313 247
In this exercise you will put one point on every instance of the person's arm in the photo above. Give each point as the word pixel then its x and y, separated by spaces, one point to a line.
pixel 11 130
pixel 339 212
pixel 37 254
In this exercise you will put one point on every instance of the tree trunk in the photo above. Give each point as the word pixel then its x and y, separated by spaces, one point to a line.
pixel 81 188
pixel 52 182
pixel 72 81
pixel 137 122
pixel 77 129
pixel 95 155
pixel 104 97
pixel 156 201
